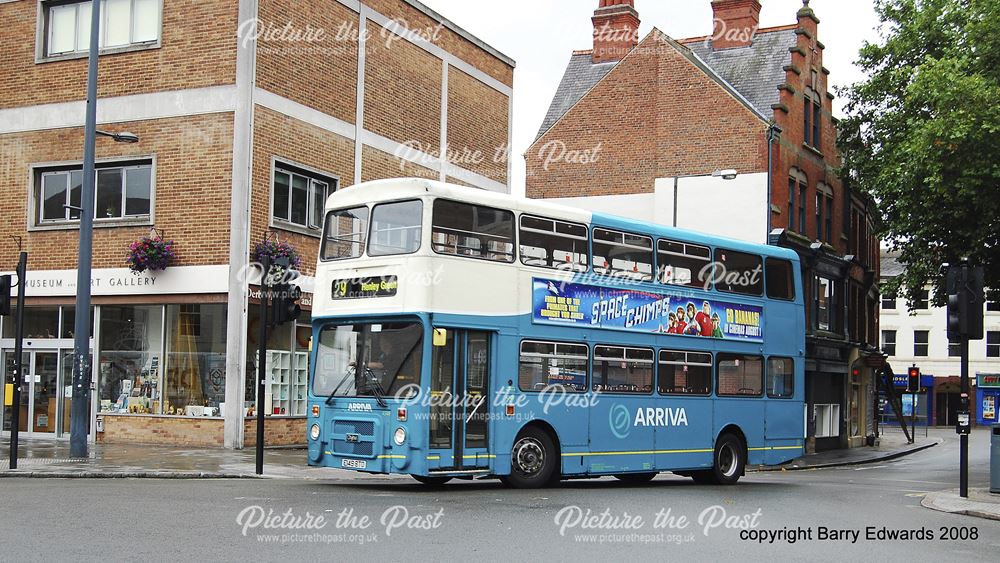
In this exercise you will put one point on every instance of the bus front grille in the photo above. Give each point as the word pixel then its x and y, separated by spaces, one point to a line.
pixel 354 438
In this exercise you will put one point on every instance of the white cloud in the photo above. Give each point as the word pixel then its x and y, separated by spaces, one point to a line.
pixel 541 34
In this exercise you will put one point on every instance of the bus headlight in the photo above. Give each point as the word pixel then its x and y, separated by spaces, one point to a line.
pixel 399 437
pixel 314 432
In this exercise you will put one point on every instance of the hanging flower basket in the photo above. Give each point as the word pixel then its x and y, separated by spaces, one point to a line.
pixel 153 253
pixel 276 249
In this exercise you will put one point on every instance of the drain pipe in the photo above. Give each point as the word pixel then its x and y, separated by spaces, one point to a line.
pixel 773 135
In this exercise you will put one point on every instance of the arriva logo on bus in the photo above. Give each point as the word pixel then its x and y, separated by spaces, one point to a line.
pixel 621 420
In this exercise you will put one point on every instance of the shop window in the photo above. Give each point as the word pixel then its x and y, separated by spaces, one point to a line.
pixel 780 378
pixel 195 369
pixel 545 365
pixel 920 342
pixel 130 359
pixel 124 23
pixel 123 192
pixel 889 342
pixel 993 344
pixel 624 255
pixel 827 421
pixel 39 322
pixel 623 370
pixel 548 243
pixel 473 231
pixel 680 263
pixel 299 197
pixel 739 375
pixel 684 373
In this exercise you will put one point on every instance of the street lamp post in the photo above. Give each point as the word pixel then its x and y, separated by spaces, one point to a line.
pixel 82 372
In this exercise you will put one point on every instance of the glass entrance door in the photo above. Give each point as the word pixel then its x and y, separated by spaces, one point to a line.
pixel 459 429
pixel 44 392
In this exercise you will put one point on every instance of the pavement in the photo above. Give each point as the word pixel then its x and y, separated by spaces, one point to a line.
pixel 48 458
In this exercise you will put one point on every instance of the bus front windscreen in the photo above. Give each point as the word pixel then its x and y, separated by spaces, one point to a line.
pixel 367 360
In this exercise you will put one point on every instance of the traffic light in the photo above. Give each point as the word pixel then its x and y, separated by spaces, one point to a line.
pixel 285 304
pixel 913 380
pixel 955 283
pixel 4 296
pixel 966 300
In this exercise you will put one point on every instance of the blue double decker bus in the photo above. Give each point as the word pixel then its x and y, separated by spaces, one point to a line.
pixel 465 334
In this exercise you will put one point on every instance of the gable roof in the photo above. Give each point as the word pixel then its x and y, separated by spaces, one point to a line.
pixel 752 73
pixel 580 77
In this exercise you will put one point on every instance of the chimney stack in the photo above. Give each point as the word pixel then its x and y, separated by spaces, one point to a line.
pixel 616 30
pixel 736 23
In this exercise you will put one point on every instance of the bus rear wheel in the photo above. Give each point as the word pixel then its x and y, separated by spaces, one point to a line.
pixel 728 465
pixel 431 481
pixel 635 478
pixel 533 460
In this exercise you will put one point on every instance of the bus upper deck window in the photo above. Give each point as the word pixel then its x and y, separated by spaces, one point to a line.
pixel 472 231
pixel 620 254
pixel 345 233
pixel 737 272
pixel 680 263
pixel 779 278
pixel 396 228
pixel 548 243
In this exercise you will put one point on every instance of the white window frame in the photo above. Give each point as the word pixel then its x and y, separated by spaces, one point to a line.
pixel 292 168
pixel 35 203
pixel 43 34
pixel 828 420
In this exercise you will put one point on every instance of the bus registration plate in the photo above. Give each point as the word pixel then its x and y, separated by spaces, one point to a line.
pixel 354 463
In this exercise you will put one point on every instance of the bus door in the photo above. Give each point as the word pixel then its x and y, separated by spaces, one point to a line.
pixel 460 377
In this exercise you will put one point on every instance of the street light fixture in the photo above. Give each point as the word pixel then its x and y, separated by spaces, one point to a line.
pixel 123 137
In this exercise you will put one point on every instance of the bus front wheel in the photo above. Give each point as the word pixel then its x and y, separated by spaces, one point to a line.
pixel 534 460
pixel 729 462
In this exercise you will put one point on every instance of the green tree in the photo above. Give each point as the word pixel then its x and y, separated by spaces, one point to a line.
pixel 923 136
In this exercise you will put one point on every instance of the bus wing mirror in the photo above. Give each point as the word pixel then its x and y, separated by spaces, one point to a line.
pixel 440 337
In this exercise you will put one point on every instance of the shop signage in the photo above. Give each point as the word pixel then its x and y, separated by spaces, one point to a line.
pixel 989 407
pixel 122 281
pixel 633 310
pixel 988 380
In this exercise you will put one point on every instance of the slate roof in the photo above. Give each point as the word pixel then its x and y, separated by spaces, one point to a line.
pixel 581 75
pixel 890 266
pixel 755 72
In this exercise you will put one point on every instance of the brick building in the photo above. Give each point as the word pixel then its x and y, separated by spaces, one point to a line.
pixel 738 123
pixel 249 112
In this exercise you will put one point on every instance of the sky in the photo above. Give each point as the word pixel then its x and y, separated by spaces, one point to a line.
pixel 540 35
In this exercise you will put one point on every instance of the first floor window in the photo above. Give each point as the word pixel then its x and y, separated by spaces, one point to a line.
pixel 122 192
pixel 299 198
pixel 889 342
pixel 123 23
pixel 920 342
pixel 993 344
pixel 923 300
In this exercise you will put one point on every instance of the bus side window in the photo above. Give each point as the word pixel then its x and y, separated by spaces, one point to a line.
pixel 738 272
pixel 547 243
pixel 474 231
pixel 780 378
pixel 623 370
pixel 551 365
pixel 679 263
pixel 739 375
pixel 685 373
pixel 780 279
pixel 624 255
